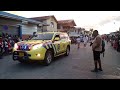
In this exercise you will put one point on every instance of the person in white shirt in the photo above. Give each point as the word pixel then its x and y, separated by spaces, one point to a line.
pixel 78 41
pixel 85 39
pixel 6 46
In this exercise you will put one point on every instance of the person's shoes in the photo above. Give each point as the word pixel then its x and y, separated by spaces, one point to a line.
pixel 95 70
pixel 100 69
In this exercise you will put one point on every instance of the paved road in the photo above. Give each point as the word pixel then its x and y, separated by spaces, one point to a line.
pixel 76 66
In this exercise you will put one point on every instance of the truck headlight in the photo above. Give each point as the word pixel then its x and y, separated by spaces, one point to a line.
pixel 37 46
pixel 15 46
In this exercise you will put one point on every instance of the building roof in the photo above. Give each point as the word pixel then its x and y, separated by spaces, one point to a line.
pixel 42 18
pixel 16 17
pixel 67 22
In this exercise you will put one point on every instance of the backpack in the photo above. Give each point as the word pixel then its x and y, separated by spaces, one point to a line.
pixel 103 46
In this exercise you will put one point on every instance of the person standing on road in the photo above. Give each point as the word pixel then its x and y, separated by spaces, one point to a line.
pixel 85 39
pixel 78 41
pixel 97 48
pixel 6 46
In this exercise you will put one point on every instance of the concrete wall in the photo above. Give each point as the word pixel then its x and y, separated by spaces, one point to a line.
pixel 49 28
pixel 5 21
pixel 29 29
pixel 11 30
pixel 11 24
pixel 45 27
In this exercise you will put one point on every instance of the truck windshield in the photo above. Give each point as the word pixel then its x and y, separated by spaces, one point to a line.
pixel 47 36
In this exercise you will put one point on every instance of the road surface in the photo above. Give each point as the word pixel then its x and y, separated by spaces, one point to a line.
pixel 77 65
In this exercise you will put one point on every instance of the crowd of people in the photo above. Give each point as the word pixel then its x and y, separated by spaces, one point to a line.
pixel 81 39
pixel 97 42
pixel 7 42
pixel 114 40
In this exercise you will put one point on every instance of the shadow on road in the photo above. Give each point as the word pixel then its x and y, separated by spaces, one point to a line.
pixel 60 58
pixel 27 66
pixel 34 65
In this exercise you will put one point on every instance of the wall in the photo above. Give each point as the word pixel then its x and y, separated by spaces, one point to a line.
pixel 29 29
pixel 45 27
pixel 11 24
pixel 51 28
pixel 9 21
pixel 11 30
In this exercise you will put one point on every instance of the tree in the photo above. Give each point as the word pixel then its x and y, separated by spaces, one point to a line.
pixel 91 30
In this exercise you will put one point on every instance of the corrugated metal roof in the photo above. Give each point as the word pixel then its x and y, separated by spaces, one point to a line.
pixel 16 17
pixel 67 22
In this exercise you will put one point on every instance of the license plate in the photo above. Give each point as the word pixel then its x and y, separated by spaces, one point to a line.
pixel 21 54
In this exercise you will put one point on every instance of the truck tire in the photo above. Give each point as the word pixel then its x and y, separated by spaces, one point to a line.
pixel 48 58
pixel 67 51
pixel 23 61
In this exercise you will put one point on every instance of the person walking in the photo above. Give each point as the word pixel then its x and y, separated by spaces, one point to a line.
pixel 78 41
pixel 85 39
pixel 97 48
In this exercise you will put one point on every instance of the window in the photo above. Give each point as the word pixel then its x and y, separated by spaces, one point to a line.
pixel 58 26
pixel 58 36
pixel 52 24
pixel 46 36
pixel 64 36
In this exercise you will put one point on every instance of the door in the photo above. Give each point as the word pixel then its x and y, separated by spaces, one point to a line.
pixel 58 45
pixel 63 42
pixel 64 39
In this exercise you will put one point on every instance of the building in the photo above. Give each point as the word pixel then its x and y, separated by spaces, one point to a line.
pixel 50 21
pixel 78 31
pixel 17 25
pixel 66 25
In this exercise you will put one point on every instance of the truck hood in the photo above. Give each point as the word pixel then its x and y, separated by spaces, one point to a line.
pixel 33 42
